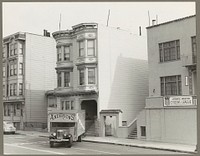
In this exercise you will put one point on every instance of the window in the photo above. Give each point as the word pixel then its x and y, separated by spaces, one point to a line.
pixel 171 85
pixel 91 75
pixel 143 130
pixel 15 49
pixel 90 48
pixel 3 90
pixel 11 49
pixel 59 79
pixel 4 71
pixel 20 89
pixel 81 77
pixel 20 48
pixel 59 55
pixel 66 79
pixel 194 49
pixel 11 69
pixel 21 68
pixel 52 102
pixel 72 105
pixel 15 69
pixel 15 89
pixel 67 105
pixel 11 89
pixel 66 53
pixel 4 52
pixel 81 48
pixel 169 51
pixel 14 111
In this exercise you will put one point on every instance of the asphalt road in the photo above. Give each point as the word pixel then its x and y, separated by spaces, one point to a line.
pixel 24 144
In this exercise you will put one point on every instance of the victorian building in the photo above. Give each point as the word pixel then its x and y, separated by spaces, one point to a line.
pixel 28 62
pixel 100 70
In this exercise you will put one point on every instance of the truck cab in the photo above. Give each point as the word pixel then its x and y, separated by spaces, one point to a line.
pixel 66 127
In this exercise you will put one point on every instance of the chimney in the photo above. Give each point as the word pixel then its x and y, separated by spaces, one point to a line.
pixel 46 33
pixel 153 22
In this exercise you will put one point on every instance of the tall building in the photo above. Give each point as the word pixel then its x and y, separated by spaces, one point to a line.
pixel 170 112
pixel 101 70
pixel 28 72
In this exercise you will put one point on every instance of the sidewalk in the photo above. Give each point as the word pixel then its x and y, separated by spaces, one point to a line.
pixel 126 142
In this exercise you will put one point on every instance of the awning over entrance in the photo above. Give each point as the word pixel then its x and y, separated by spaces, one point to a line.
pixel 113 111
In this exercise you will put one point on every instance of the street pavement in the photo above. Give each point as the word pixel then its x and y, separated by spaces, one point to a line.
pixel 128 142
pixel 20 144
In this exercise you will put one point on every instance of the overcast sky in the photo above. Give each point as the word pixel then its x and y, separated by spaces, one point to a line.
pixel 34 17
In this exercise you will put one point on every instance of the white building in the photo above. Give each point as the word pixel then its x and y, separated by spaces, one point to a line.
pixel 170 112
pixel 28 72
pixel 101 70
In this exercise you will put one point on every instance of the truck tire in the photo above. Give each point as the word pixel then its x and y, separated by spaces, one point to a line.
pixel 79 138
pixel 51 144
pixel 70 142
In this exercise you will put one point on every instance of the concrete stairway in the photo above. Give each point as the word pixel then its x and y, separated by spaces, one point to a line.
pixel 133 134
pixel 93 129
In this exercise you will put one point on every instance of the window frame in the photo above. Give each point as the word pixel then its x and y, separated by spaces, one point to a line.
pixel 20 68
pixel 59 79
pixel 169 51
pixel 59 53
pixel 81 79
pixel 81 49
pixel 169 86
pixel 91 48
pixel 194 49
pixel 20 88
pixel 91 78
pixel 66 79
pixel 14 89
pixel 11 89
pixel 66 53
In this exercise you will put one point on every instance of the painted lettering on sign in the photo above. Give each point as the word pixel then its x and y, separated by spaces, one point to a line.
pixel 62 116
pixel 179 101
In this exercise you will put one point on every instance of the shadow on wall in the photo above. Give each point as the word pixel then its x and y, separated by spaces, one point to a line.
pixel 129 87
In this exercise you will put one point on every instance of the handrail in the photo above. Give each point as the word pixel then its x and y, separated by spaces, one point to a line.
pixel 131 123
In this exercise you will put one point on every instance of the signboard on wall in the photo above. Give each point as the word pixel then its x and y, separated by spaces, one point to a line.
pixel 62 117
pixel 178 101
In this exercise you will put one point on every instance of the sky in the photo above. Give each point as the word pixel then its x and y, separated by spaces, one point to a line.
pixel 35 17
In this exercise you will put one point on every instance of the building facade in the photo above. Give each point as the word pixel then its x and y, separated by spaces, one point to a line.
pixel 28 62
pixel 170 112
pixel 98 68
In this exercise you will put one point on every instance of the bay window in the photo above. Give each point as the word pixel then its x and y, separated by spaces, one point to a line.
pixel 90 48
pixel 81 77
pixel 67 53
pixel 81 48
pixel 91 75
pixel 59 79
pixel 66 79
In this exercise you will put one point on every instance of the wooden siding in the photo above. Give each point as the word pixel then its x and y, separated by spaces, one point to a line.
pixel 123 77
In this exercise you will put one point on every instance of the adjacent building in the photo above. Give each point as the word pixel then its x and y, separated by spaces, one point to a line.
pixel 170 111
pixel 28 72
pixel 100 70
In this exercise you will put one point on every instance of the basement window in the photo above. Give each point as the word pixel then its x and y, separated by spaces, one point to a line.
pixel 143 131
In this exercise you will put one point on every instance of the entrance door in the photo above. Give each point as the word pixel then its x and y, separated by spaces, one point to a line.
pixel 110 126
pixel 90 107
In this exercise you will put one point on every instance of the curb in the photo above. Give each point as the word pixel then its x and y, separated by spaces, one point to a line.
pixel 165 149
